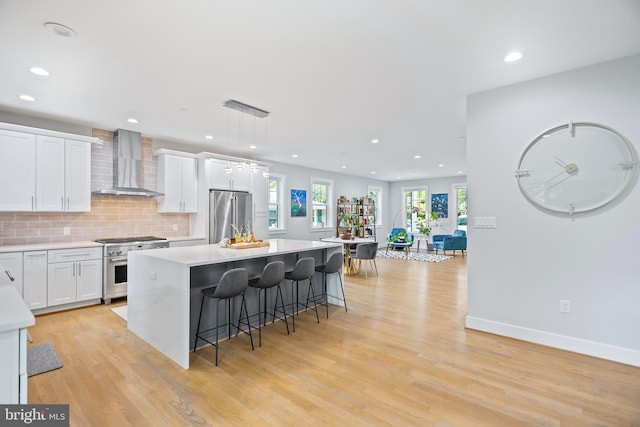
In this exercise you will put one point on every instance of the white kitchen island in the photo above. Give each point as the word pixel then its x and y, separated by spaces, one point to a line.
pixel 164 286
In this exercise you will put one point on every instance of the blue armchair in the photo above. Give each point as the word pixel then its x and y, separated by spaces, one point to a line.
pixel 455 242
pixel 399 239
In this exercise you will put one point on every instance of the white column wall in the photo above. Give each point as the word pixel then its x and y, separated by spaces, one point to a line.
pixel 519 271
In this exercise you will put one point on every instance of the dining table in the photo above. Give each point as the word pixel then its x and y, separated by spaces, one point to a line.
pixel 350 268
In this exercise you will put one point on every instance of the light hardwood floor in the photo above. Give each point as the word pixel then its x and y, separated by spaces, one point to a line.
pixel 400 357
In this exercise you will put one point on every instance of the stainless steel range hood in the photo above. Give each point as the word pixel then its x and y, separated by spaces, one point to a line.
pixel 127 162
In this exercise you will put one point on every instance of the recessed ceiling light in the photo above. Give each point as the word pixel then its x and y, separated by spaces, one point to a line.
pixel 513 57
pixel 373 172
pixel 39 71
pixel 344 166
pixel 27 98
pixel 59 29
pixel 417 156
pixel 208 136
pixel 253 147
pixel 397 177
pixel 295 156
pixel 441 165
pixel 375 141
pixel 460 172
pixel 132 120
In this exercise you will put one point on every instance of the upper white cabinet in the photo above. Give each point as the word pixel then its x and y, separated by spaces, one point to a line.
pixel 178 181
pixel 238 179
pixel 63 175
pixel 17 171
pixel 44 171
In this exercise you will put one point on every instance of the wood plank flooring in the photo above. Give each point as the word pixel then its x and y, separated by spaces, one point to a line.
pixel 399 357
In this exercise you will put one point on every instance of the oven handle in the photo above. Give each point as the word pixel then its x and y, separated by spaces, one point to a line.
pixel 117 259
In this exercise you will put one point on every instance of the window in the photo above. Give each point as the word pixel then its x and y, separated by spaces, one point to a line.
pixel 276 202
pixel 414 206
pixel 321 214
pixel 375 193
pixel 460 190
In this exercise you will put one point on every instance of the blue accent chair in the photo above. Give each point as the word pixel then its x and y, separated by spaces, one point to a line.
pixel 394 243
pixel 446 242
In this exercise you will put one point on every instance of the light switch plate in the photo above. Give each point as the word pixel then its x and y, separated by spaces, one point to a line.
pixel 484 222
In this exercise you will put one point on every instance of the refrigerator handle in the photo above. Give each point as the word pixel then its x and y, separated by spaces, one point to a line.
pixel 234 205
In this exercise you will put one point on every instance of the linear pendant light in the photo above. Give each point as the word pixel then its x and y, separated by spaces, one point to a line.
pixel 246 108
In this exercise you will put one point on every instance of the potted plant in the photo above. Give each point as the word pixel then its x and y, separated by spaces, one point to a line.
pixel 427 223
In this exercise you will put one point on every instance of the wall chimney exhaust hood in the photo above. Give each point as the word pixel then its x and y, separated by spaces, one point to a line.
pixel 127 166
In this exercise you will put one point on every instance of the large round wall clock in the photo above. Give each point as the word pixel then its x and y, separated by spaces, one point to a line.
pixel 576 167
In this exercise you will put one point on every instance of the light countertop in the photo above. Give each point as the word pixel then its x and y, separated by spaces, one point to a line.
pixel 14 313
pixel 48 246
pixel 214 254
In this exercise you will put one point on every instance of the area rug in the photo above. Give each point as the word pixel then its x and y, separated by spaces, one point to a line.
pixel 121 311
pixel 412 255
pixel 42 358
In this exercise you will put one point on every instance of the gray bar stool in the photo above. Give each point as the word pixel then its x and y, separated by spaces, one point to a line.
pixel 333 265
pixel 233 283
pixel 303 270
pixel 272 276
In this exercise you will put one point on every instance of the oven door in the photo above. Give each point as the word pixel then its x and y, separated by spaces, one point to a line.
pixel 115 277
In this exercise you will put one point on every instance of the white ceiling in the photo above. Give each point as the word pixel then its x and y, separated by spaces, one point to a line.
pixel 333 73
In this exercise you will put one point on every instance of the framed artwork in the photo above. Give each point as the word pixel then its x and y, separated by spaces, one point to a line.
pixel 298 202
pixel 440 204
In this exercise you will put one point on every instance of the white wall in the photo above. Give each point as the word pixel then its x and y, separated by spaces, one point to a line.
pixel 518 272
pixel 299 178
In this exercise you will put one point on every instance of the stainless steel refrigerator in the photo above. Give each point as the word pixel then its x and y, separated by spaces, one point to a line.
pixel 227 208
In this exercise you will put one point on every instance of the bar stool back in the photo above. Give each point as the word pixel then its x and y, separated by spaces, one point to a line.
pixel 233 283
pixel 272 276
pixel 303 270
pixel 333 265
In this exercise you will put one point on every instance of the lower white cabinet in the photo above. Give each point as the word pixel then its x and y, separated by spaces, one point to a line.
pixel 35 279
pixel 11 268
pixel 15 317
pixel 74 275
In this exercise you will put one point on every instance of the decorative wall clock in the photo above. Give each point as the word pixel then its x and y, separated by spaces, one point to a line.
pixel 576 167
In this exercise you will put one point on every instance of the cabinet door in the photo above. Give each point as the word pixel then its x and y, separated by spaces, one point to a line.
pixel 77 176
pixel 241 179
pixel 9 367
pixel 11 262
pixel 89 279
pixel 35 279
pixel 49 173
pixel 61 283
pixel 189 185
pixel 217 178
pixel 17 171
pixel 169 180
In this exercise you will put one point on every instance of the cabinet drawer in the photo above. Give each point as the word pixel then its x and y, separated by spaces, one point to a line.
pixel 78 254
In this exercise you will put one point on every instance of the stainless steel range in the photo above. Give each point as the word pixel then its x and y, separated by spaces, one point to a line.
pixel 114 283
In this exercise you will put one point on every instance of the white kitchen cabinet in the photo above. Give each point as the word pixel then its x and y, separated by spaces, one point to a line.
pixel 17 171
pixel 35 279
pixel 178 181
pixel 43 170
pixel 11 267
pixel 260 192
pixel 63 175
pixel 74 275
pixel 15 317
pixel 238 179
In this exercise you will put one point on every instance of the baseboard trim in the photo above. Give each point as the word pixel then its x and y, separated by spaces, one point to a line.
pixel 576 345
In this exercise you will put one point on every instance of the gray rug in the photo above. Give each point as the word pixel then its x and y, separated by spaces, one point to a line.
pixel 42 358
pixel 412 255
